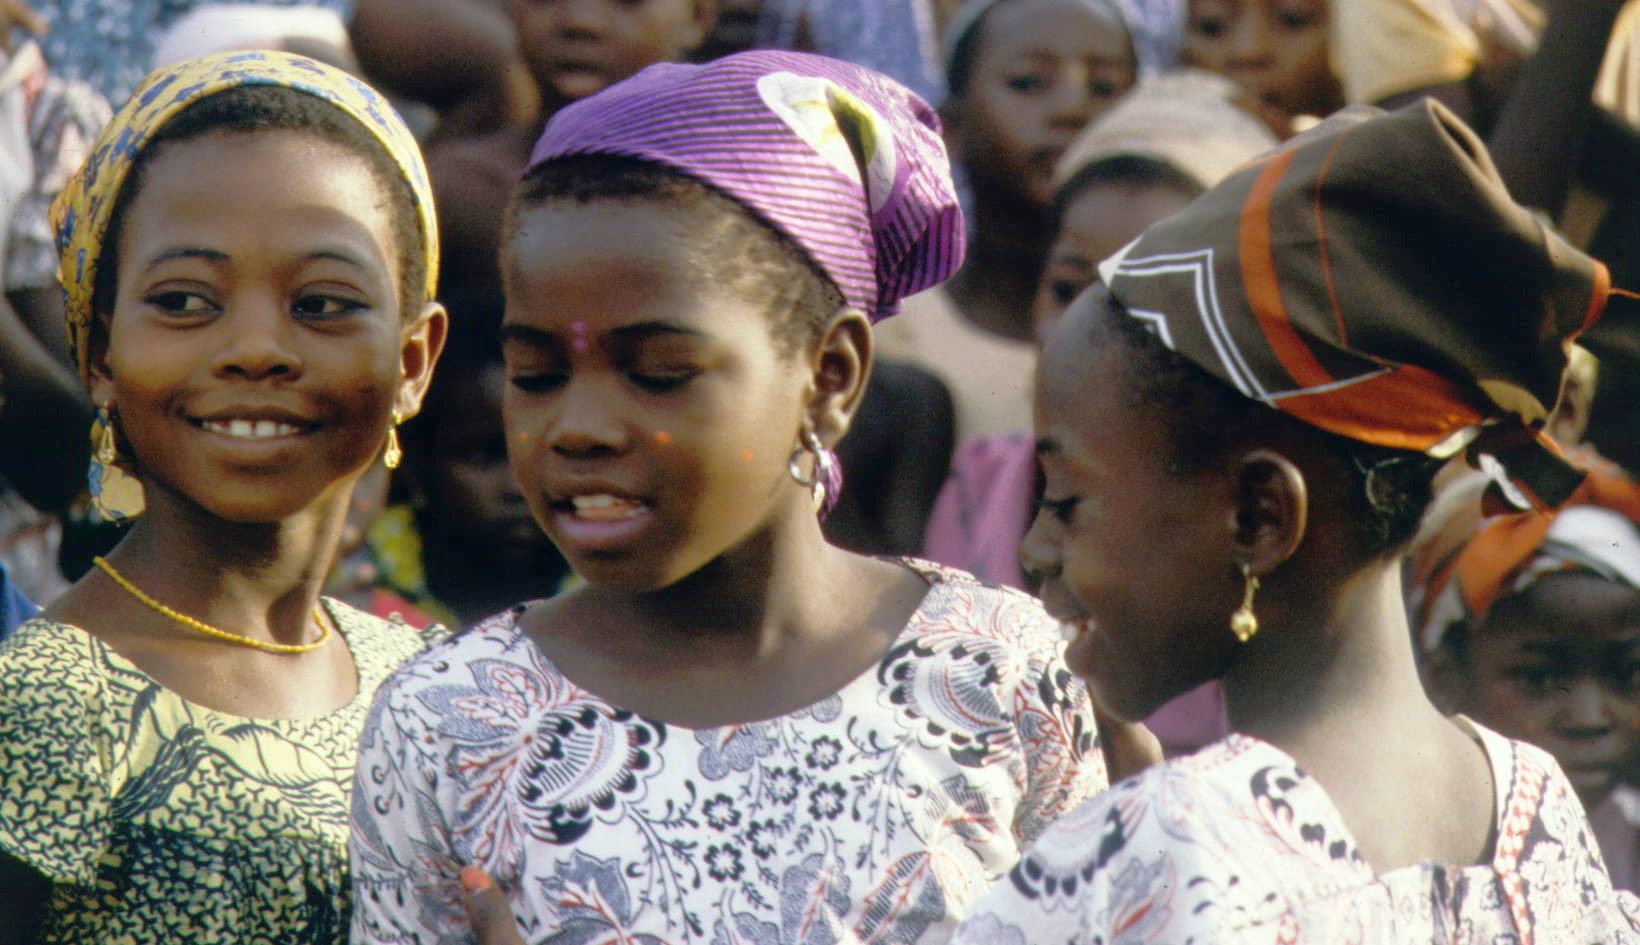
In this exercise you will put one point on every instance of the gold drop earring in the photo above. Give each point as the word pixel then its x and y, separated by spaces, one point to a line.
pixel 392 455
pixel 1244 623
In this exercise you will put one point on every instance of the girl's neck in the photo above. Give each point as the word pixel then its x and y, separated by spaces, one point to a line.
pixel 1340 694
pixel 1326 672
pixel 259 580
pixel 751 602
pixel 997 283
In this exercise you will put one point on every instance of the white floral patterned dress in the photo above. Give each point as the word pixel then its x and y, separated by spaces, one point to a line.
pixel 1235 844
pixel 877 814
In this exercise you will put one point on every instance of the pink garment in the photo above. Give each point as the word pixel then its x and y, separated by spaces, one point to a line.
pixel 977 524
pixel 984 508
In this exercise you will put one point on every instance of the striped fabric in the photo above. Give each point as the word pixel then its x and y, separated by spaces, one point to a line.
pixel 1374 279
pixel 845 162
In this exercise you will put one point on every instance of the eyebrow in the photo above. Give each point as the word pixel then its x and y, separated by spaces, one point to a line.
pixel 187 252
pixel 529 334
pixel 218 257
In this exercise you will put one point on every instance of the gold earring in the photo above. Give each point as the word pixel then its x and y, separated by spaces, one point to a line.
pixel 115 494
pixel 1243 623
pixel 392 455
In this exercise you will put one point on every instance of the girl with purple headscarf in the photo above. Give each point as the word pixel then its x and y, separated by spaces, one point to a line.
pixel 734 732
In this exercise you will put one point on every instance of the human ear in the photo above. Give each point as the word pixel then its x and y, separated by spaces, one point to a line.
pixel 419 347
pixel 1271 509
pixel 96 356
pixel 840 360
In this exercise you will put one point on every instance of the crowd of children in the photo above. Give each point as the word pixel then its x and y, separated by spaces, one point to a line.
pixel 1091 486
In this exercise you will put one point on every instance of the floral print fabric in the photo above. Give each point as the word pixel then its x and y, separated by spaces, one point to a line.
pixel 158 820
pixel 1235 844
pixel 879 813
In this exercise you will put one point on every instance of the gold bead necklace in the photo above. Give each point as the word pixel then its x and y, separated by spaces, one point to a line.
pixel 201 626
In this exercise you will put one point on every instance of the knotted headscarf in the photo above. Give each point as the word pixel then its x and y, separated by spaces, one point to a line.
pixel 1373 278
pixel 1596 532
pixel 81 214
pixel 1187 119
pixel 845 162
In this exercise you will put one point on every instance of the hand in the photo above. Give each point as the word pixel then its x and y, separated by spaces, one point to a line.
pixel 488 909
pixel 1129 747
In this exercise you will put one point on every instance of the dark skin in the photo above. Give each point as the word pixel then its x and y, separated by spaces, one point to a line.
pixel 227 302
pixel 1145 558
pixel 483 551
pixel 45 413
pixel 474 173
pixel 1041 71
pixel 744 583
pixel 893 470
pixel 458 56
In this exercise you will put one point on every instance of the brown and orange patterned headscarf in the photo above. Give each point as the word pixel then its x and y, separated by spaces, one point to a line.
pixel 1374 279
pixel 1596 532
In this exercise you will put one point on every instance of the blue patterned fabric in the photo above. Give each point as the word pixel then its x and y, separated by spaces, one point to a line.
pixel 110 43
pixel 14 607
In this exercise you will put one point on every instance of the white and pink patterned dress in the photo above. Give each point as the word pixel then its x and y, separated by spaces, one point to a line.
pixel 1235 845
pixel 878 814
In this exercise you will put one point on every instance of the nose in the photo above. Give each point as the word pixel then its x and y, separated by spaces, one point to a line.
pixel 1071 106
pixel 260 342
pixel 587 423
pixel 1039 551
pixel 1250 44
pixel 1585 709
pixel 582 18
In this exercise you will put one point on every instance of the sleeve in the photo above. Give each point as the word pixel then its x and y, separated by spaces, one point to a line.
pixel 1054 717
pixel 1386 47
pixel 54 788
pixel 405 877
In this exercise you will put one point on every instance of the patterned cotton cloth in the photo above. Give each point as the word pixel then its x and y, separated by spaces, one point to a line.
pixel 158 820
pixel 845 162
pixel 882 811
pixel 1236 844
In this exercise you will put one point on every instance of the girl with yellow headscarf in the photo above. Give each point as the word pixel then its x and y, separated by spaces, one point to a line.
pixel 248 255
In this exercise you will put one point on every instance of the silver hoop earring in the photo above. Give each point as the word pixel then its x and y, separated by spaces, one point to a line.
pixel 815 480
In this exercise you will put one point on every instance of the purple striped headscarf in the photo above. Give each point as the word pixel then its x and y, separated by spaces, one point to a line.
pixel 845 162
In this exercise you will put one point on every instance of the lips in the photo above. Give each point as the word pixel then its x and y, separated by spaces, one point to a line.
pixel 599 521
pixel 575 80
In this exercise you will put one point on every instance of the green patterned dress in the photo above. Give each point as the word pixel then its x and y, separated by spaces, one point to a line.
pixel 160 821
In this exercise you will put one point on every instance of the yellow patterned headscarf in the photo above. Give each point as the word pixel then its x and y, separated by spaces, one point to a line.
pixel 80 215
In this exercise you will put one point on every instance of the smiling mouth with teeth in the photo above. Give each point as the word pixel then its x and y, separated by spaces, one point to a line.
pixel 605 508
pixel 250 429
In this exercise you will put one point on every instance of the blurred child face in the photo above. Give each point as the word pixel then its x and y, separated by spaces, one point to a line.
pixel 1276 49
pixel 1100 220
pixel 576 48
pixel 1042 70
pixel 1129 549
pixel 471 492
pixel 255 352
pixel 649 410
pixel 1559 666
